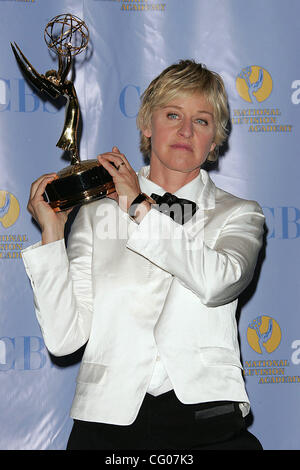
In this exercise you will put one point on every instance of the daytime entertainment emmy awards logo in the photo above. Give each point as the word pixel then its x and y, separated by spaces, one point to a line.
pixel 9 209
pixel 254 84
pixel 264 334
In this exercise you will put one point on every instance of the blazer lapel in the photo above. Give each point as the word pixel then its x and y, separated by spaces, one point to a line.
pixel 206 199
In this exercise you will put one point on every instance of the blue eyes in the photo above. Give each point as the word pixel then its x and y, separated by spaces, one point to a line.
pixel 175 116
pixel 172 116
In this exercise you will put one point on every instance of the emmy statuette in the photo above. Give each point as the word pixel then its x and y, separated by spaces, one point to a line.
pixel 82 181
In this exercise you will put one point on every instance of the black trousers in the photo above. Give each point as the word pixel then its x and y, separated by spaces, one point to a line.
pixel 165 423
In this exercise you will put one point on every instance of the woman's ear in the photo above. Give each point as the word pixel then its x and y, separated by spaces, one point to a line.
pixel 147 132
pixel 212 147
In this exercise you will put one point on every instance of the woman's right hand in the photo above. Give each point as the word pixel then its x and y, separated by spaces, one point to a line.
pixel 52 223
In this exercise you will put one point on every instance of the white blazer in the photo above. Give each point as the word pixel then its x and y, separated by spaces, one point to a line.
pixel 131 291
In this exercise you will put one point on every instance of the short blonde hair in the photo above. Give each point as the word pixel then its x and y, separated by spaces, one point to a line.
pixel 185 77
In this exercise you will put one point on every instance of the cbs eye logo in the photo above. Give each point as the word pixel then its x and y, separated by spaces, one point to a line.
pixel 254 84
pixel 264 334
pixel 9 209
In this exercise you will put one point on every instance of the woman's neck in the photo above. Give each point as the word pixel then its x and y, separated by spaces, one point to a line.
pixel 171 180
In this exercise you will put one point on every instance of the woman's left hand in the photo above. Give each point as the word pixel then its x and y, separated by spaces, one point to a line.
pixel 124 177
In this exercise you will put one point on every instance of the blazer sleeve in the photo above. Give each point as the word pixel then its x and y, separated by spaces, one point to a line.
pixel 62 288
pixel 218 274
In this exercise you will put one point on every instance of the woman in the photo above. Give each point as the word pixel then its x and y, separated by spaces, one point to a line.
pixel 150 283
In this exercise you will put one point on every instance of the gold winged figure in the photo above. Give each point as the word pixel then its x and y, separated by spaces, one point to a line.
pixel 55 84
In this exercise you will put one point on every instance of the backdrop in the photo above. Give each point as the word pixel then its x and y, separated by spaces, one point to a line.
pixel 254 46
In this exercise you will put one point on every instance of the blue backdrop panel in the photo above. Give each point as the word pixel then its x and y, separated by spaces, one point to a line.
pixel 254 46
